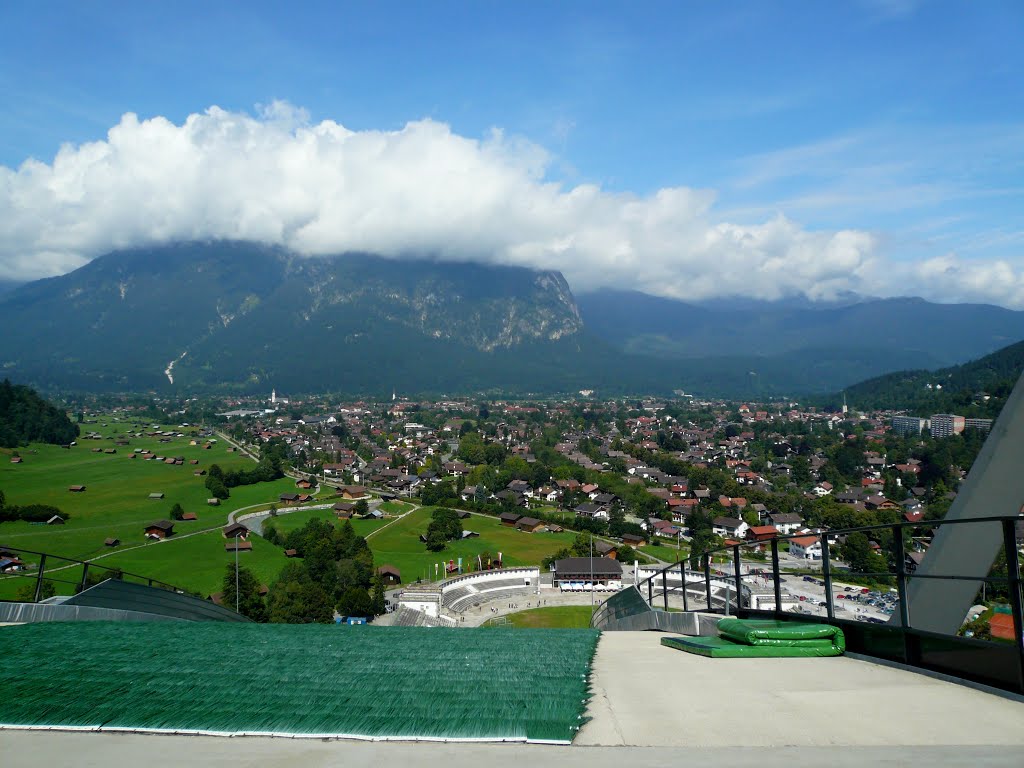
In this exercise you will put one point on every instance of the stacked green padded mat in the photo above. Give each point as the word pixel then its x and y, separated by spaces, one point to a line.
pixel 757 638
pixel 309 680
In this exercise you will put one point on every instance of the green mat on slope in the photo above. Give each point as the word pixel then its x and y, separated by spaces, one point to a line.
pixel 309 680
pixel 770 632
pixel 751 638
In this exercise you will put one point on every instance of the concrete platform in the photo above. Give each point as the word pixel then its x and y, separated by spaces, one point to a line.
pixel 648 695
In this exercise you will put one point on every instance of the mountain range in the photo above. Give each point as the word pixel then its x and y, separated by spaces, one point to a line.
pixel 243 317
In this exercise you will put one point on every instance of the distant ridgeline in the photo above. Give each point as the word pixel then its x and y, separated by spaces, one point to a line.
pixel 978 388
pixel 25 417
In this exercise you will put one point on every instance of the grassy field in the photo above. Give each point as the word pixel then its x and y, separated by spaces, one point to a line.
pixel 291 521
pixel 399 545
pixel 556 617
pixel 115 504
pixel 665 552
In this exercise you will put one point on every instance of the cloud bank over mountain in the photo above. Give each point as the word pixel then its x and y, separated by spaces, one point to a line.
pixel 424 191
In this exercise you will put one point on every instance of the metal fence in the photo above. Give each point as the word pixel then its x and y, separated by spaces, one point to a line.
pixel 32 576
pixel 762 579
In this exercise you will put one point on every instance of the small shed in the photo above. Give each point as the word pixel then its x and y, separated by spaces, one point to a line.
pixel 161 529
pixel 238 545
pixel 76 488
pixel 390 575
pixel 235 530
pixel 55 520
pixel 291 553
pixel 112 542
pixel 155 496
pixel 190 516
pixel 16 460
pixel 214 502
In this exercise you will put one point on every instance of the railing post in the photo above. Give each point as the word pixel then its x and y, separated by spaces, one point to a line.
pixel 39 579
pixel 85 577
pixel 682 574
pixel 707 578
pixel 1014 584
pixel 901 575
pixel 650 591
pixel 776 577
pixel 664 589
pixel 737 578
pixel 826 572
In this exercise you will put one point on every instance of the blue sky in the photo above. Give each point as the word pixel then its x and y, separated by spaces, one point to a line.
pixel 901 119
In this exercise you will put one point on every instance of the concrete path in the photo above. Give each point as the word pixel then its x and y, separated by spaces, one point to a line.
pixel 649 695
pixel 56 749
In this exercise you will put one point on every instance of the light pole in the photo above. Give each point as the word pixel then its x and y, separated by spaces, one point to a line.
pixel 591 573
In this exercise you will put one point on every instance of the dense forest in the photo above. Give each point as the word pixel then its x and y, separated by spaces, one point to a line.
pixel 25 417
pixel 978 388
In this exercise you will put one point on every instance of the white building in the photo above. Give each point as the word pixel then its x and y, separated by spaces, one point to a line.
pixel 805 547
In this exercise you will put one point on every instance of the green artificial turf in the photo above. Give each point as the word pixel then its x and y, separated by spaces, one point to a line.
pixel 309 680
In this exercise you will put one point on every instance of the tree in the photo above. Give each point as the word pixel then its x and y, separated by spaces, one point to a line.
pixel 362 508
pixel 296 599
pixel 379 608
pixel 27 592
pixel 177 513
pixel 355 601
pixel 250 603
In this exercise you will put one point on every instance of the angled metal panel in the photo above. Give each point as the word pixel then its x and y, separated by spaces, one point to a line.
pixel 994 486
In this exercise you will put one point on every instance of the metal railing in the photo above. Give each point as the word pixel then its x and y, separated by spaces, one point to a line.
pixel 750 579
pixel 44 568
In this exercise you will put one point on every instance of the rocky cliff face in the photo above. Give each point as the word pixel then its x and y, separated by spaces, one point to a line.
pixel 241 314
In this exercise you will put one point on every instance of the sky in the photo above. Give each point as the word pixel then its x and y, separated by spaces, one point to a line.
pixel 687 149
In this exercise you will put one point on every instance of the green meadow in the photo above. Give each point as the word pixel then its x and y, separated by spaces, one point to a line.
pixel 286 522
pixel 116 504
pixel 399 545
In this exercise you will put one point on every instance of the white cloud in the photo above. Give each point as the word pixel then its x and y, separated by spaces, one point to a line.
pixel 424 191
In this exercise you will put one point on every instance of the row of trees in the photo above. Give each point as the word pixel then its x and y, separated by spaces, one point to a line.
pixel 335 572
pixel 32 513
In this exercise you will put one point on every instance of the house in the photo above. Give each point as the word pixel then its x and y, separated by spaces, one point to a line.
pixel 189 516
pixel 583 569
pixel 112 542
pixel 161 529
pixel 762 532
pixel 604 549
pixel 632 540
pixel 390 575
pixel 529 524
pixel 470 535
pixel 304 485
pixel 235 530
pixel 288 498
pixel 76 488
pixel 730 527
pixel 155 496
pixel 238 545
pixel 880 502
pixel 344 510
pixel 9 563
pixel 805 547
pixel 291 553
pixel 509 518
pixel 591 510
pixel 786 522
pixel 823 488
pixel 351 492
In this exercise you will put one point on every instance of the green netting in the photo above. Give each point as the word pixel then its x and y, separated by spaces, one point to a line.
pixel 780 633
pixel 723 648
pixel 313 680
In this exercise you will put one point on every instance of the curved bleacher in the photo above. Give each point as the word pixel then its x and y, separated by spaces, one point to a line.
pixel 469 590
